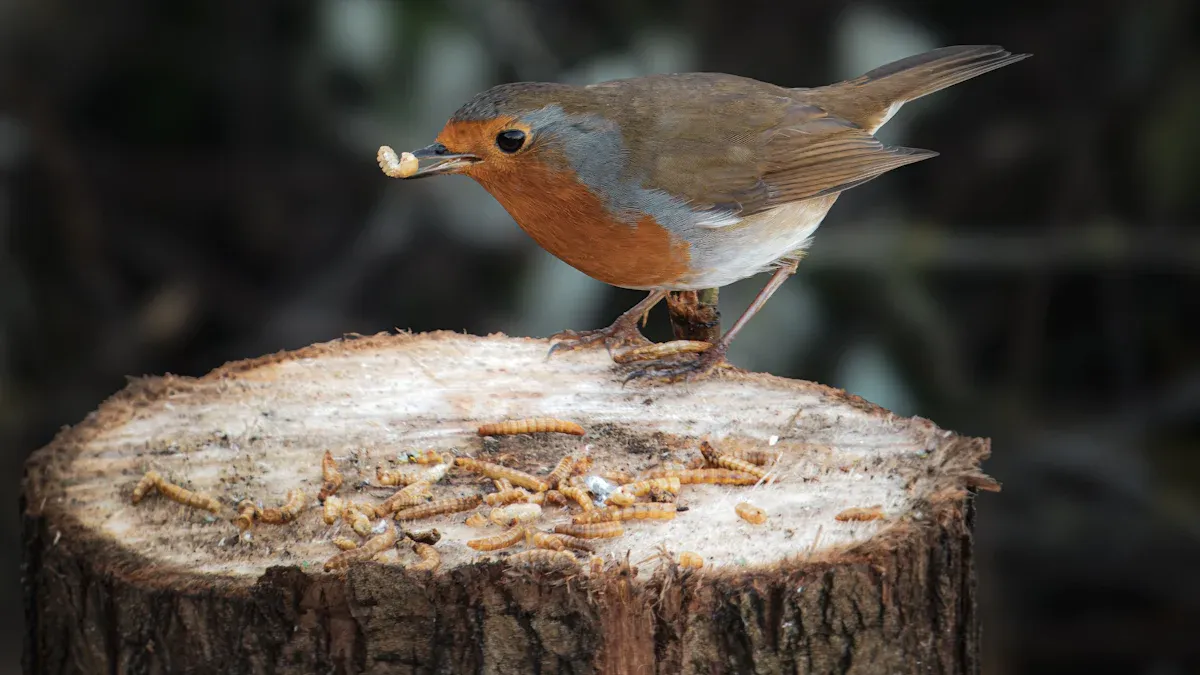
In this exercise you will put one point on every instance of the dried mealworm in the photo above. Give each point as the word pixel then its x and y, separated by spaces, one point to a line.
pixel 538 539
pixel 591 530
pixel 332 509
pixel 370 548
pixel 146 485
pixel 246 512
pixel 581 497
pixel 330 475
pixel 582 465
pixel 533 425
pixel 439 507
pixel 499 471
pixel 721 460
pixel 560 473
pixel 575 542
pixel 508 497
pixel 648 511
pixel 477 520
pixel 359 519
pixel 426 457
pixel 396 477
pixel 715 476
pixel 196 500
pixel 689 560
pixel 515 513
pixel 413 494
pixel 754 455
pixel 502 484
pixel 750 513
pixel 657 495
pixel 430 536
pixel 345 543
pixel 861 513
pixel 286 513
pixel 430 558
pixel 539 556
pixel 510 537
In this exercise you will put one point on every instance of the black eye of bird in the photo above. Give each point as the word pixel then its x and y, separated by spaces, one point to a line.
pixel 510 141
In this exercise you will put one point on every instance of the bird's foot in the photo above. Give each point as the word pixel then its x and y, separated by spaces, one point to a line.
pixel 678 364
pixel 621 333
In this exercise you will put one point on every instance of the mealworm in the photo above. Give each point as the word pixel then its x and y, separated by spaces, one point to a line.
pixel 370 548
pixel 499 471
pixel 515 513
pixel 396 167
pixel 246 511
pixel 332 509
pixel 618 477
pixel 648 511
pixel 861 513
pixel 643 487
pixel 430 536
pixel 439 507
pixel 396 477
pixel 286 513
pixel 689 560
pixel 541 556
pixel 345 543
pixel 413 494
pixel 577 481
pixel 574 542
pixel 197 500
pixel 430 558
pixel 502 484
pixel 477 520
pixel 581 497
pixel 148 483
pixel 538 539
pixel 723 461
pixel 510 537
pixel 619 498
pixel 560 473
pixel 660 350
pixel 591 530
pixel 330 475
pixel 750 513
pixel 359 520
pixel 533 425
pixel 714 476
pixel 508 497
pixel 554 497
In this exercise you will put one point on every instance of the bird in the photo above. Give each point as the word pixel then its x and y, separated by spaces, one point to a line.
pixel 682 181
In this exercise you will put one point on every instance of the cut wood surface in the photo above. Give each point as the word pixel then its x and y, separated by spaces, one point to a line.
pixel 862 565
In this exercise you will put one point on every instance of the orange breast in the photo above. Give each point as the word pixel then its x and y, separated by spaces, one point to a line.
pixel 567 220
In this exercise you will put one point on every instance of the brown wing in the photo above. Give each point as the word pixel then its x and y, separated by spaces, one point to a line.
pixel 737 145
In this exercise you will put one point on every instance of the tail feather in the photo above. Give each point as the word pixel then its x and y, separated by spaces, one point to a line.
pixel 871 99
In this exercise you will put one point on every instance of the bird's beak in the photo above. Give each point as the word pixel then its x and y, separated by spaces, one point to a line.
pixel 428 161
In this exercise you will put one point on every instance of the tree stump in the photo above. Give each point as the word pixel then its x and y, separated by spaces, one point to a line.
pixel 162 587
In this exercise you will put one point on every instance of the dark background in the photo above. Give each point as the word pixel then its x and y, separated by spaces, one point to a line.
pixel 190 182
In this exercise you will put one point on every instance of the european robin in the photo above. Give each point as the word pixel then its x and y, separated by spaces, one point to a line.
pixel 682 181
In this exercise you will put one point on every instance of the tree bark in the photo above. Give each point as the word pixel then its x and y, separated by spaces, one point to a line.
pixel 159 587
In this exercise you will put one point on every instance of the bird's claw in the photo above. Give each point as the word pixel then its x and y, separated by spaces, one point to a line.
pixel 617 335
pixel 680 367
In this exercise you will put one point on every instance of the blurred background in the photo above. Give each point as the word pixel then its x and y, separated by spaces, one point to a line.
pixel 191 182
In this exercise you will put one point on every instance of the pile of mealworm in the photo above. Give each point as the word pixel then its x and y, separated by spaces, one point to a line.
pixel 599 504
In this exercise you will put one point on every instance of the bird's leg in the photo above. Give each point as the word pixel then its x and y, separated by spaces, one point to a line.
pixel 666 368
pixel 624 331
